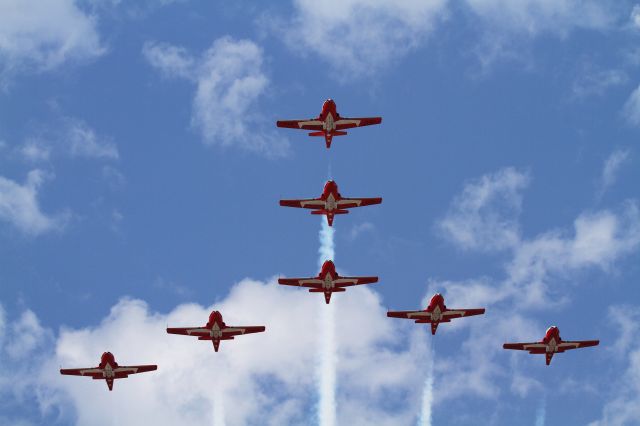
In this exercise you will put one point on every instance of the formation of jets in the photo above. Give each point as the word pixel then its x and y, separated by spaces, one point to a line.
pixel 328 124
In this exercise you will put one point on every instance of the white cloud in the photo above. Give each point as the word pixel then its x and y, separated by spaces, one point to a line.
pixel 360 229
pixel 34 150
pixel 44 34
pixel 600 238
pixel 532 17
pixel 271 372
pixel 70 137
pixel 229 81
pixel 622 405
pixel 484 216
pixel 635 16
pixel 631 109
pixel 360 36
pixel 611 167
pixel 596 83
pixel 83 142
pixel 19 205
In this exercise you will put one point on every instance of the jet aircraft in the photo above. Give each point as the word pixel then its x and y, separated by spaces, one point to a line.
pixel 109 370
pixel 551 344
pixel 435 313
pixel 329 123
pixel 216 330
pixel 330 202
pixel 328 281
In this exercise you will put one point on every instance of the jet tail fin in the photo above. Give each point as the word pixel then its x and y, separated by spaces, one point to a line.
pixel 110 383
pixel 434 327
pixel 549 355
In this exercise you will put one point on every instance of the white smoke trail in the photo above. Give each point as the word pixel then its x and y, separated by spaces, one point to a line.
pixel 326 250
pixel 218 397
pixel 541 414
pixel 218 406
pixel 427 392
pixel 327 372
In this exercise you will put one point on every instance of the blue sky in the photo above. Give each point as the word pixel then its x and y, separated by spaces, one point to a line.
pixel 140 172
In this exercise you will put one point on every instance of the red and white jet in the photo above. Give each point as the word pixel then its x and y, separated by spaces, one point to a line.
pixel 328 281
pixel 330 202
pixel 551 344
pixel 109 370
pixel 435 313
pixel 216 330
pixel 329 123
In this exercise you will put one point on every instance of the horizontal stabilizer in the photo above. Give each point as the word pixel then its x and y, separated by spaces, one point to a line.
pixel 316 134
pixel 322 290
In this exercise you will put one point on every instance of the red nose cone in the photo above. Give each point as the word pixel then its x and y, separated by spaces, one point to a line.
pixel 329 104
pixel 214 317
pixel 330 187
pixel 106 357
pixel 436 300
pixel 552 331
pixel 328 267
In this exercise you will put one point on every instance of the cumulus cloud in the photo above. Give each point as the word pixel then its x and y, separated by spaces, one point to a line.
pixel 484 216
pixel 19 205
pixel 360 36
pixel 229 80
pixel 43 34
pixel 271 372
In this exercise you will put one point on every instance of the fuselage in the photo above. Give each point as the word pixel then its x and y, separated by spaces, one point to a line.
pixel 107 364
pixel 328 274
pixel 328 116
pixel 215 324
pixel 436 307
pixel 552 339
pixel 330 195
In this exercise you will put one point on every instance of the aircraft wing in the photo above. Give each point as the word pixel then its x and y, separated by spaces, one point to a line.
pixel 309 203
pixel 459 313
pixel 348 123
pixel 236 331
pixel 312 124
pixel 417 315
pixel 91 372
pixel 532 347
pixel 301 282
pixel 134 369
pixel 346 203
pixel 576 344
pixel 194 331
pixel 349 281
